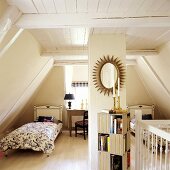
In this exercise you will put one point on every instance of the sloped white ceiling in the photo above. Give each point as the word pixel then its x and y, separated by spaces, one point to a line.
pixel 154 71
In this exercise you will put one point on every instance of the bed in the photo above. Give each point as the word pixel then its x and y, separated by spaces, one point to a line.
pixel 38 135
pixel 147 114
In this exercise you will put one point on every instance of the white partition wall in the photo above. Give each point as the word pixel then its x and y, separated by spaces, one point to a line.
pixel 100 45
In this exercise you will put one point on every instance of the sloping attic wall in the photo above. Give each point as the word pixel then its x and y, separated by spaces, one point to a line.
pixel 154 71
pixel 136 93
pixel 50 92
pixel 21 72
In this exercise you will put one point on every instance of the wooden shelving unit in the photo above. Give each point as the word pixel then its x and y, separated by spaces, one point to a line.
pixel 113 141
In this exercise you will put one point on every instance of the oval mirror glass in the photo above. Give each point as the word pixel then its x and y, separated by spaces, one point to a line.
pixel 108 75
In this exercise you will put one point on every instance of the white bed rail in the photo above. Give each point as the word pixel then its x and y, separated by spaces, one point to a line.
pixel 152 140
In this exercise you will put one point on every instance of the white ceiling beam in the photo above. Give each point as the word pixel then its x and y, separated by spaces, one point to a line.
pixel 80 57
pixel 65 52
pixel 70 62
pixel 8 19
pixel 130 54
pixel 78 52
pixel 9 44
pixel 88 20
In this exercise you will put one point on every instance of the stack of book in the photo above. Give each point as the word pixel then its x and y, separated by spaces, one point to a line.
pixel 116 125
pixel 104 142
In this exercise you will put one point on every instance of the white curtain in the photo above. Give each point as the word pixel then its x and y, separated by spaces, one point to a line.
pixel 68 78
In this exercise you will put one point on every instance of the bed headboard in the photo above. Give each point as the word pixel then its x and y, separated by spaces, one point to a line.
pixel 145 109
pixel 48 110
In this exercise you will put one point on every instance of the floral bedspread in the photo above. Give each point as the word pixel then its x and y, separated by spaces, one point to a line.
pixel 38 136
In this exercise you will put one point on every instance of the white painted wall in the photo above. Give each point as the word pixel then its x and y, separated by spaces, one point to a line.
pixel 20 67
pixel 136 93
pixel 100 45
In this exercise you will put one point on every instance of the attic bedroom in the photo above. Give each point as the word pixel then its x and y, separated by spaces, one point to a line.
pixel 52 58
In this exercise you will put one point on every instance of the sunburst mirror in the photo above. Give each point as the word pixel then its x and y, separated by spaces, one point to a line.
pixel 106 72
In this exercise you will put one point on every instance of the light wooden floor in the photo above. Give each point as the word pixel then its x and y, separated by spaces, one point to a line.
pixel 70 153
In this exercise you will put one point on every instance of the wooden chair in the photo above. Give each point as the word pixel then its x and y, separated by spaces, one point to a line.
pixel 83 124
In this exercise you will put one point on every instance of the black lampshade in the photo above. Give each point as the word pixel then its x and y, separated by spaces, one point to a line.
pixel 69 97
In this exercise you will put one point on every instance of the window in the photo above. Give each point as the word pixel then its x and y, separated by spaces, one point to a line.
pixel 80 91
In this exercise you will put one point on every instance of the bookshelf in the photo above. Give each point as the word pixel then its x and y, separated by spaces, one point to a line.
pixel 113 140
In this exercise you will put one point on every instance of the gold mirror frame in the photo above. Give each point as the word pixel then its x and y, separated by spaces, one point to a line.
pixel 121 72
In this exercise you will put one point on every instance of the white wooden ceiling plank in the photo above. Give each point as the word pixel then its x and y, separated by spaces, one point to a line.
pixel 134 9
pixel 49 6
pixel 51 38
pixel 60 6
pixel 71 6
pixel 152 33
pixel 24 6
pixel 146 38
pixel 39 6
pixel 81 6
pixel 61 37
pixel 103 5
pixel 114 6
pixel 145 6
pixel 126 5
pixel 41 37
pixel 165 6
pixel 67 36
pixel 93 6
pixel 139 43
pixel 58 37
pixel 77 36
pixel 157 4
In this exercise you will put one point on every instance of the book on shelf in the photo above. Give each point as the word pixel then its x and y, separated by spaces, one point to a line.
pixel 128 158
pixel 128 121
pixel 118 162
pixel 115 162
pixel 116 125
pixel 103 142
pixel 108 143
pixel 111 124
pixel 119 125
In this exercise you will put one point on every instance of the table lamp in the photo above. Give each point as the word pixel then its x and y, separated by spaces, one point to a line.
pixel 69 97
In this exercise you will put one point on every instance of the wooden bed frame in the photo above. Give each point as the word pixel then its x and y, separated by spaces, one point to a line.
pixel 55 111
pixel 145 109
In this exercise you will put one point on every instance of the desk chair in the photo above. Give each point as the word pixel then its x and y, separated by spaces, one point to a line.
pixel 83 124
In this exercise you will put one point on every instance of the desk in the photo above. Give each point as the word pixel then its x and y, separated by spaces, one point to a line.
pixel 71 113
